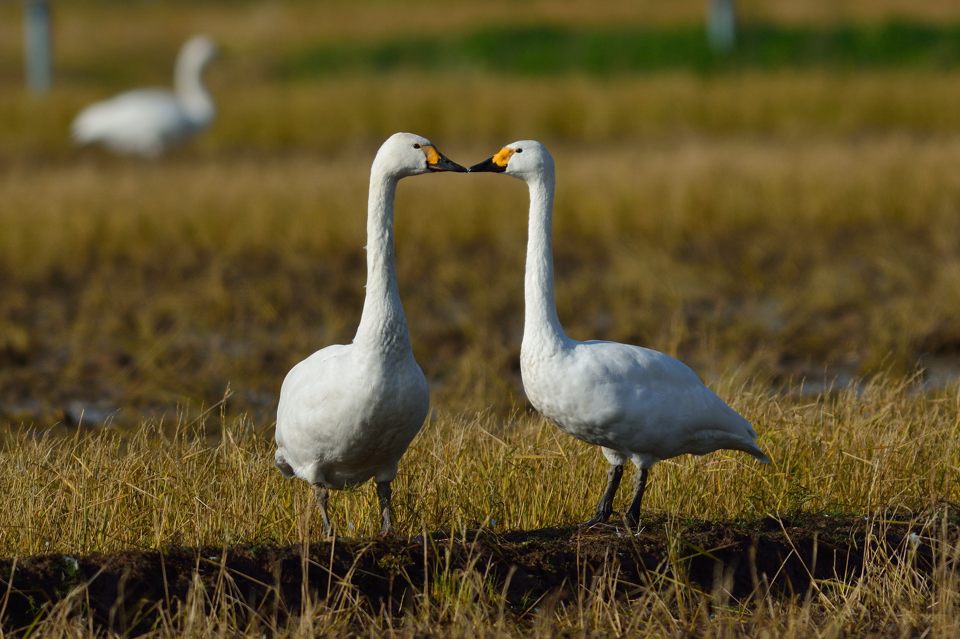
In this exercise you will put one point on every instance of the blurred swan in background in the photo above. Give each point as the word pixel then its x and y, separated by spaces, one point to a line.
pixel 146 122
pixel 348 412
pixel 634 402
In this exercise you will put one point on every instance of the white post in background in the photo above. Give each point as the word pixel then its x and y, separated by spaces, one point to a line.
pixel 721 24
pixel 36 45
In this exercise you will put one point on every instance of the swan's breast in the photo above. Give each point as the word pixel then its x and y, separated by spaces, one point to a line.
pixel 344 415
pixel 565 389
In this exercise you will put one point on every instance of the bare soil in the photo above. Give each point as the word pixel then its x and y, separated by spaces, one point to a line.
pixel 125 591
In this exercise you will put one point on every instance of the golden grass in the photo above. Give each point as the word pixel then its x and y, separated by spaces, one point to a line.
pixel 881 445
pixel 765 228
pixel 145 285
pixel 352 114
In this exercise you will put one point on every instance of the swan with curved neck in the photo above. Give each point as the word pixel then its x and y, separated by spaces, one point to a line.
pixel 348 412
pixel 635 403
pixel 146 122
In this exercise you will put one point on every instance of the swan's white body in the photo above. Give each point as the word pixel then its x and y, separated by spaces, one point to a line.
pixel 348 412
pixel 636 403
pixel 146 122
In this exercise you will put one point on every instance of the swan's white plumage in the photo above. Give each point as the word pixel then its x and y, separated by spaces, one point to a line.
pixel 348 412
pixel 636 403
pixel 639 403
pixel 148 121
pixel 347 415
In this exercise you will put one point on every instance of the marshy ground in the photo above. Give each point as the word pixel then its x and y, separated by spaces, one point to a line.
pixel 790 227
pixel 529 574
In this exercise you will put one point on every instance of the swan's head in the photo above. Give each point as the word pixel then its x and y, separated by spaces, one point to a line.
pixel 198 51
pixel 525 159
pixel 406 154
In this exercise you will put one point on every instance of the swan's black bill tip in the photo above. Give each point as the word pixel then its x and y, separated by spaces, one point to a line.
pixel 488 166
pixel 446 164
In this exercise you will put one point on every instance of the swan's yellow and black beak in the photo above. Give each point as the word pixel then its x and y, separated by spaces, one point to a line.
pixel 437 161
pixel 496 164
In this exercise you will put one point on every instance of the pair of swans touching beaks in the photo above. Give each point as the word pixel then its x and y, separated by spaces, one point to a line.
pixel 348 412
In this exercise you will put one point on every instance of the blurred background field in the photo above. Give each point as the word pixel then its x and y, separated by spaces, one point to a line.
pixel 778 219
pixel 785 218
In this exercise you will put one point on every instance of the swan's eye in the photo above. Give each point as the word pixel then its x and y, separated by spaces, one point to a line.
pixel 519 150
pixel 416 146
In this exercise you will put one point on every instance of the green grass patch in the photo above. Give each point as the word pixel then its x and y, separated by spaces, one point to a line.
pixel 544 49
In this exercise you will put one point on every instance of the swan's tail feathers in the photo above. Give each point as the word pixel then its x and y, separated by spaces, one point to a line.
pixel 752 449
pixel 285 468
pixel 755 450
pixel 747 436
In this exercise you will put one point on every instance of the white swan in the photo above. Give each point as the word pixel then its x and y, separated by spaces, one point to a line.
pixel 348 412
pixel 146 122
pixel 635 403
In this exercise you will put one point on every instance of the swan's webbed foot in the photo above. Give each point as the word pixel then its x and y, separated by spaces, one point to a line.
pixel 605 506
pixel 386 513
pixel 322 494
pixel 596 520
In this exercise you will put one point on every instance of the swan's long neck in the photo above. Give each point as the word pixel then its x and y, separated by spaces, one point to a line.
pixel 193 95
pixel 541 324
pixel 383 323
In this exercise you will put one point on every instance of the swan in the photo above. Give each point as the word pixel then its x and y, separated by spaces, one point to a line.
pixel 348 412
pixel 633 402
pixel 146 122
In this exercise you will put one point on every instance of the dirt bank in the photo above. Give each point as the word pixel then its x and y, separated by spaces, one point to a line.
pixel 125 590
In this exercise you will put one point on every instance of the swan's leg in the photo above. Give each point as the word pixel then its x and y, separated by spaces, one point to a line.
pixel 383 493
pixel 323 493
pixel 640 484
pixel 605 507
pixel 283 466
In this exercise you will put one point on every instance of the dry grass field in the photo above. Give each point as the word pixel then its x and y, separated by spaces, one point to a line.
pixel 792 233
